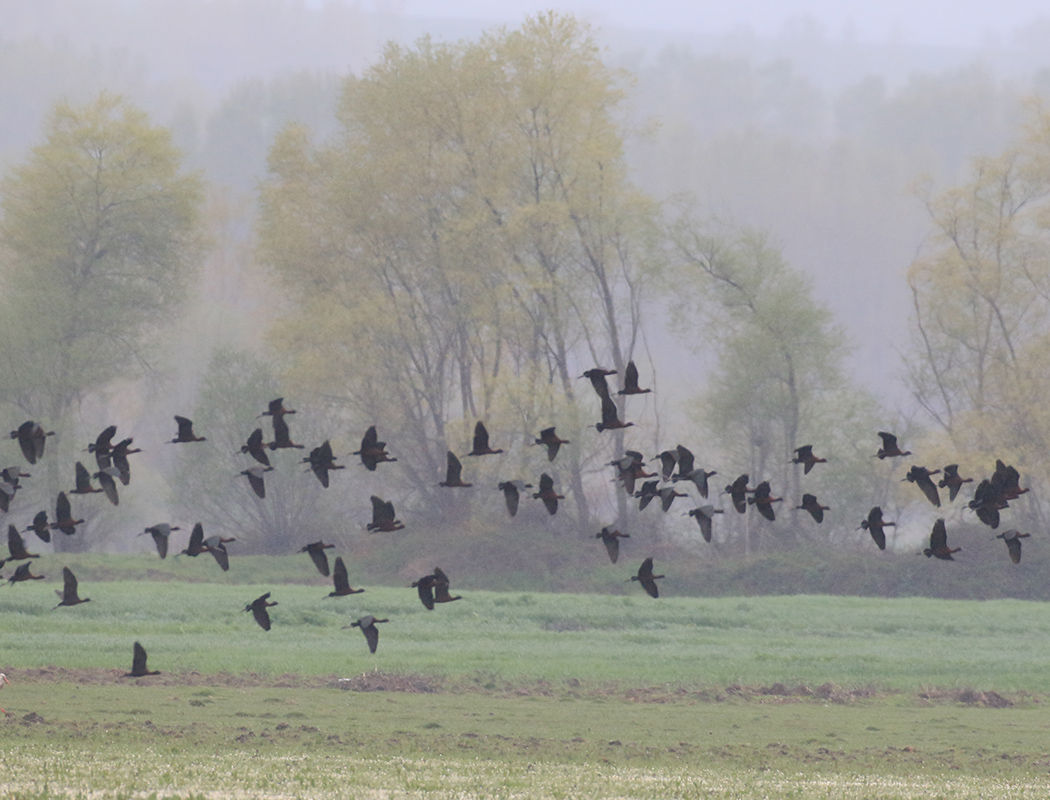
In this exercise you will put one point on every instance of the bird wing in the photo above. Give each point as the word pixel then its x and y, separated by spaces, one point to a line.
pixel 219 552
pixel 511 495
pixel 686 461
pixel 320 559
pixel 453 469
pixel 612 544
pixel 262 616
pixel 138 660
pixel 196 539
pixel 340 579
pixel 69 584
pixel 929 489
pixel 185 427
pixel 938 536
pixel 371 633
pixel 255 479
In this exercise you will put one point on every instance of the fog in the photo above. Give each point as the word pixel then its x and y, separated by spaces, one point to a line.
pixel 810 121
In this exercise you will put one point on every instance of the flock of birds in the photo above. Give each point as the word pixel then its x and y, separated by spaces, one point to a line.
pixel 676 466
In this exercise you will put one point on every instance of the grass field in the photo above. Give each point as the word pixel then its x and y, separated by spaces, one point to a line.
pixel 515 694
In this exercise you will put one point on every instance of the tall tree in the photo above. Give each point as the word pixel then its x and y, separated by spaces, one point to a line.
pixel 468 244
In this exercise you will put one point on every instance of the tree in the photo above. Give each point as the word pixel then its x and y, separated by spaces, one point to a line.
pixel 467 245
pixel 100 237
pixel 778 382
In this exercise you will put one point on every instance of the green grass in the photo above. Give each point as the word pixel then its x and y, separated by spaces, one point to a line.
pixel 525 694
pixel 902 644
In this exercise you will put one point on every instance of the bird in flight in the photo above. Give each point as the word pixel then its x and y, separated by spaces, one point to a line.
pixel 646 578
pixel 258 608
pixel 367 624
pixel 138 663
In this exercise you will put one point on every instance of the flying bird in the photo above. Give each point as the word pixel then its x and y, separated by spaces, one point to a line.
pixel 276 409
pixel 138 663
pixel 68 595
pixel 1013 539
pixel 704 516
pixel 383 517
pixel 195 546
pixel 256 447
pixel 813 506
pixel 512 492
pixel 341 581
pixel 64 516
pixel 920 476
pixel 119 455
pixel 804 456
pixel 481 442
pixel 318 555
pixel 647 494
pixel 737 492
pixel 254 474
pixel 550 440
pixel 611 540
pixel 889 448
pixel 41 527
pixel 31 438
pixel 17 547
pixel 874 525
pixel 630 381
pixel 453 473
pixel 373 452
pixel 597 376
pixel 258 608
pixel 321 461
pixel 367 625
pixel 547 494
pixel 83 481
pixel 763 501
pixel 107 479
pixel 22 573
pixel 952 481
pixel 939 543
pixel 160 533
pixel 610 417
pixel 668 461
pixel 216 545
pixel 646 578
pixel 282 438
pixel 102 447
pixel 629 468
pixel 185 432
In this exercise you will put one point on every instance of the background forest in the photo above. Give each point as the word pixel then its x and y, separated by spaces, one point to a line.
pixel 798 240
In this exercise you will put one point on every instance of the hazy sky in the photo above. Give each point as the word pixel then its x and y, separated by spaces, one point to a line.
pixel 911 21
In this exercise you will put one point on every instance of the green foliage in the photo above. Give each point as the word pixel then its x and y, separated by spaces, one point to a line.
pixel 100 237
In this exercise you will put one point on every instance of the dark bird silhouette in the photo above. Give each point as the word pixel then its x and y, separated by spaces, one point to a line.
pixel 216 545
pixel 630 467
pixel 453 472
pixel 276 409
pixel 610 417
pixel 737 492
pixel 547 494
pixel 195 546
pixel 1007 480
pixel 321 461
pixel 597 377
pixel 425 589
pixel 763 501
pixel 804 456
pixel 281 436
pixel 41 527
pixel 704 516
pixel 254 474
pixel 889 447
pixel 9 484
pixel 550 440
pixel 647 494
pixel 441 584
pixel 102 447
pixel 107 479
pixel 341 581
pixel 611 540
pixel 813 506
pixel 64 516
pixel 368 627
pixel 646 578
pixel 31 438
pixel 256 447
pixel 160 534
pixel 920 476
pixel 988 501
pixel 952 481
pixel 668 461
pixel 17 547
pixel 698 477
pixel 630 381
pixel 185 433
pixel 258 608
pixel 874 525
pixel 512 493
pixel 22 573
pixel 383 517
pixel 68 595
pixel 83 481
pixel 318 555
pixel 939 543
pixel 138 663
pixel 372 452
pixel 481 442
pixel 119 455
pixel 1013 539
pixel 667 495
